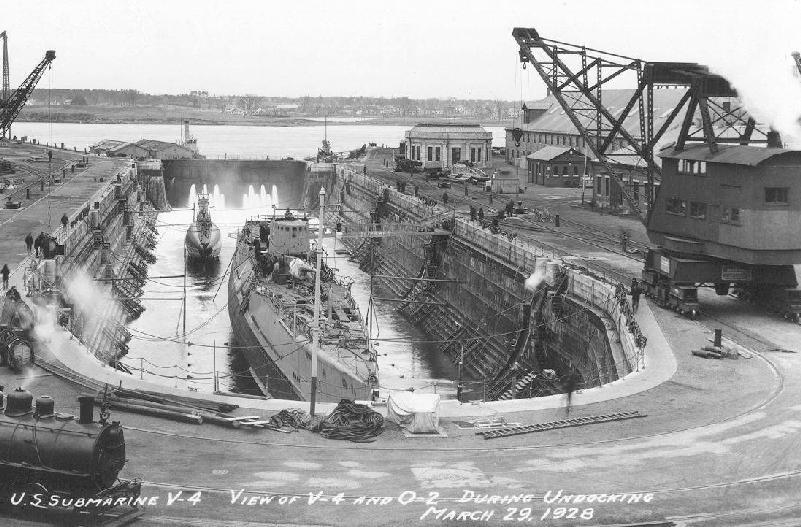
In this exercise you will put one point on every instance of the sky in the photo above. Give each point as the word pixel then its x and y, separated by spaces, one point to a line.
pixel 371 48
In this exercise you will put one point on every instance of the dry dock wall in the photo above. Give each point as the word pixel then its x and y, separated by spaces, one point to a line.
pixel 507 334
pixel 105 238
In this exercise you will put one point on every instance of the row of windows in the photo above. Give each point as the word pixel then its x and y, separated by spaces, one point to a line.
pixel 434 153
pixel 692 167
pixel 564 140
pixel 698 209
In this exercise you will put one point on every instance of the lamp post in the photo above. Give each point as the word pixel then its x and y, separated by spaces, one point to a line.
pixel 316 332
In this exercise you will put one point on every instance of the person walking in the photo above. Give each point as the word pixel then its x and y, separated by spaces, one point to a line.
pixel 29 242
pixel 5 272
pixel 635 294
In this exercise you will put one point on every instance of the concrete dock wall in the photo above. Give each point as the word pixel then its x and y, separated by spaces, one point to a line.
pixel 483 306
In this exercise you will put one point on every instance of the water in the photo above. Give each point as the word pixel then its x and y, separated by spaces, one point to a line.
pixel 256 142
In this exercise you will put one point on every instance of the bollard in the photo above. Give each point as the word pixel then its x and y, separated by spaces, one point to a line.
pixel 718 337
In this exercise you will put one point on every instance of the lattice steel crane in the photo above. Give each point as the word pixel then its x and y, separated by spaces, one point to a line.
pixel 20 96
pixel 6 84
pixel 576 76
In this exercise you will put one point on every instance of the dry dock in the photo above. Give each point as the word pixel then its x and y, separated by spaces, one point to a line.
pixel 718 439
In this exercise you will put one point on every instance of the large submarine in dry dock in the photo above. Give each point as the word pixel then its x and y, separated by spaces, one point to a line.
pixel 202 240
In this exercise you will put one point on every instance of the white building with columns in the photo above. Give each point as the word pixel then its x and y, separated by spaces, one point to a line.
pixel 443 144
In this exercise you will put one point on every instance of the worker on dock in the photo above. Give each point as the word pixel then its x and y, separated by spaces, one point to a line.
pixel 5 272
pixel 29 242
pixel 635 294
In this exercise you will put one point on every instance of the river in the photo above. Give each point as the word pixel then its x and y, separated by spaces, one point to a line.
pixel 254 142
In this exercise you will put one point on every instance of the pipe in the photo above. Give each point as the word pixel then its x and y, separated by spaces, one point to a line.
pixel 156 412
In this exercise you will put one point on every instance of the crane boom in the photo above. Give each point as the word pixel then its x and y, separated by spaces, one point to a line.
pixel 20 96
pixel 6 84
pixel 576 74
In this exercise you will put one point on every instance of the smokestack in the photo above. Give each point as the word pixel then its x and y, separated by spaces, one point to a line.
pixel 45 406
pixel 774 139
pixel 87 404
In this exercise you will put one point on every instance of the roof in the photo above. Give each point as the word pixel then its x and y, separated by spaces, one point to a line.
pixel 555 120
pixel 125 146
pixel 107 144
pixel 547 153
pixel 445 130
pixel 542 104
pixel 730 154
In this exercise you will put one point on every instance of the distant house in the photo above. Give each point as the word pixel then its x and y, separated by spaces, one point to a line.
pixel 152 148
pixel 131 150
pixel 443 144
pixel 163 150
pixel 102 148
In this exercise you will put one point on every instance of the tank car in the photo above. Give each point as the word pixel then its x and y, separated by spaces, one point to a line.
pixel 728 219
pixel 51 454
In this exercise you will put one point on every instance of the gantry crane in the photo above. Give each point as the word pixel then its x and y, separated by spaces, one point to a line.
pixel 13 105
pixel 576 76
pixel 6 84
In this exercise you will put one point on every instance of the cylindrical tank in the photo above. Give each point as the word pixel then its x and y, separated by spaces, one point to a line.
pixel 63 456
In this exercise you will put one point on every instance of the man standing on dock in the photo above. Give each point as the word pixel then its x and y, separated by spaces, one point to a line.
pixel 29 242
pixel 635 294
pixel 5 272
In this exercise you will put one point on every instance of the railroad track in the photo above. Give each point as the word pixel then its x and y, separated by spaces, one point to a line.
pixel 586 234
pixel 552 425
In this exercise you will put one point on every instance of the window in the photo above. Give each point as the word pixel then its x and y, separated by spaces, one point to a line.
pixel 730 215
pixel 636 191
pixel 575 170
pixel 598 183
pixel 697 210
pixel 436 154
pixel 472 155
pixel 676 205
pixel 430 152
pixel 776 194
pixel 606 185
pixel 478 154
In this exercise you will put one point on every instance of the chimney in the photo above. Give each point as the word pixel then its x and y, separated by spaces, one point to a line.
pixel 87 411
pixel 774 139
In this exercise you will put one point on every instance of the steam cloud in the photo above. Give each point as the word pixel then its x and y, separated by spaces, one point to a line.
pixel 760 67
pixel 536 278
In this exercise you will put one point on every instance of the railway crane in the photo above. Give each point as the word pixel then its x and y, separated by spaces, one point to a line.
pixel 13 105
pixel 726 213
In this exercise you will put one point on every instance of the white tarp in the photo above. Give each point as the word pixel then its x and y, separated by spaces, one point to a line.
pixel 417 413
pixel 300 269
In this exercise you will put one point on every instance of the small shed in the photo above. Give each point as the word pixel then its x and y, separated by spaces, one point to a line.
pixel 556 166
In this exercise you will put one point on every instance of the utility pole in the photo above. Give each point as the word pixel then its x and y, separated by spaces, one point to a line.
pixel 316 332
pixel 459 383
